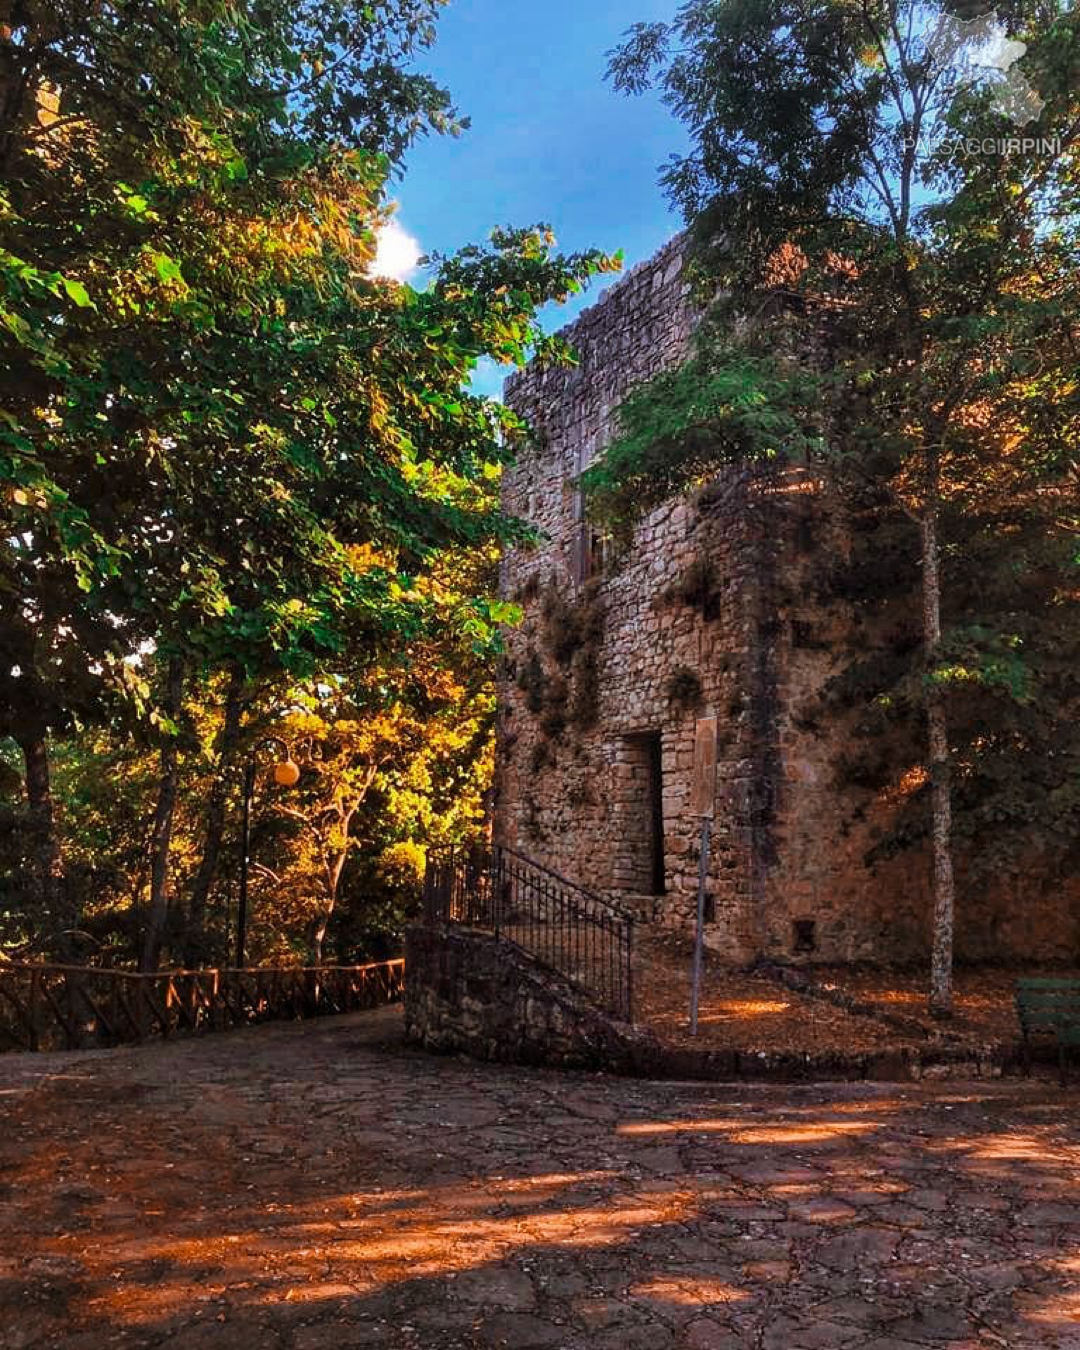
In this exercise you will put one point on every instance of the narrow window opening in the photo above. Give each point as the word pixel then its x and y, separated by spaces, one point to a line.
pixel 656 811
pixel 638 815
pixel 588 560
pixel 803 635
pixel 804 936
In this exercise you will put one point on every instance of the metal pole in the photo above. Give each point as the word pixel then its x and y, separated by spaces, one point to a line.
pixel 496 888
pixel 699 937
pixel 245 857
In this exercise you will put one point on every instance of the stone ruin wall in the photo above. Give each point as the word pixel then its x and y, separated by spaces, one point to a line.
pixel 590 674
pixel 572 799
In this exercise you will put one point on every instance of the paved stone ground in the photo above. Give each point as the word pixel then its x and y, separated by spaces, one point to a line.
pixel 321 1187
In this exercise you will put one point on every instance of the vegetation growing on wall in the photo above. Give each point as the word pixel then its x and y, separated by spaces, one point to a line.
pixel 560 676
pixel 683 689
pixel 697 587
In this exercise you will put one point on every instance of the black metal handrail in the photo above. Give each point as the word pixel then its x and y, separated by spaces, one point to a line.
pixel 587 939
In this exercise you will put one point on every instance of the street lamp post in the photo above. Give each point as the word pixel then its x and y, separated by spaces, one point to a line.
pixel 287 773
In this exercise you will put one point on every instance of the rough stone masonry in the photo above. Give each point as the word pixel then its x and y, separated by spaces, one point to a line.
pixel 707 612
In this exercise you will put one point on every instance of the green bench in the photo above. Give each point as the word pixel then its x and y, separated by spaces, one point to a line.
pixel 1049 1007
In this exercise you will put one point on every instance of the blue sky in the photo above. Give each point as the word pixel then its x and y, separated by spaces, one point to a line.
pixel 550 139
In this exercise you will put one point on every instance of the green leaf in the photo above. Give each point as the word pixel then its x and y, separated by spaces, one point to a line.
pixel 77 292
pixel 168 269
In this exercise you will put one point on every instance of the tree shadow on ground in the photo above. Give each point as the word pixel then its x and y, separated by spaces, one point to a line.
pixel 325 1190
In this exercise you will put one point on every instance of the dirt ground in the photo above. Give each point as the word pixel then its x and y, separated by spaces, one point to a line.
pixel 321 1186
pixel 752 1011
pixel 985 1007
pixel 743 1011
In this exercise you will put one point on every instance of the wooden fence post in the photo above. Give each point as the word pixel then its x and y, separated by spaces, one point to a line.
pixel 35 1009
pixel 50 1006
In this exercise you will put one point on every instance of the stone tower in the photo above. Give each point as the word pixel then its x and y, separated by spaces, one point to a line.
pixel 708 611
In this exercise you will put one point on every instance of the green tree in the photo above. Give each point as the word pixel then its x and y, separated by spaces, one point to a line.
pixel 210 410
pixel 899 296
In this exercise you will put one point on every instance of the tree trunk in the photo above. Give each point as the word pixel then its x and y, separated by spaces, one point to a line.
pixel 48 854
pixel 334 868
pixel 318 926
pixel 941 966
pixel 195 944
pixel 317 934
pixel 161 835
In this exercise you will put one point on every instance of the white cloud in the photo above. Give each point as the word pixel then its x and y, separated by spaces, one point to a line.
pixel 398 253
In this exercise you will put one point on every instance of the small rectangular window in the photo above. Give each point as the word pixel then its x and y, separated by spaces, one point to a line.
pixel 803 936
pixel 588 560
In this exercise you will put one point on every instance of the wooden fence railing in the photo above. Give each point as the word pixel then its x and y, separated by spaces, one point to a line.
pixel 83 1007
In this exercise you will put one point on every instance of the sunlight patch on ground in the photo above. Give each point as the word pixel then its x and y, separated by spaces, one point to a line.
pixel 689 1292
pixel 747 1007
pixel 1008 1148
pixel 739 1133
pixel 386 1245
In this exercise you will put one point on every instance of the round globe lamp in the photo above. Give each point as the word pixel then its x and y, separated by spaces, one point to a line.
pixel 287 773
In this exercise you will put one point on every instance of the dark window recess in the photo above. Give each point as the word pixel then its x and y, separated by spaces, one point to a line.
pixel 803 936
pixel 802 634
pixel 596 553
pixel 582 555
pixel 710 909
pixel 656 810
pixel 588 553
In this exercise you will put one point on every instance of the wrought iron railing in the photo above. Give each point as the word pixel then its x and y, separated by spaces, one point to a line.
pixel 588 940
pixel 82 1007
